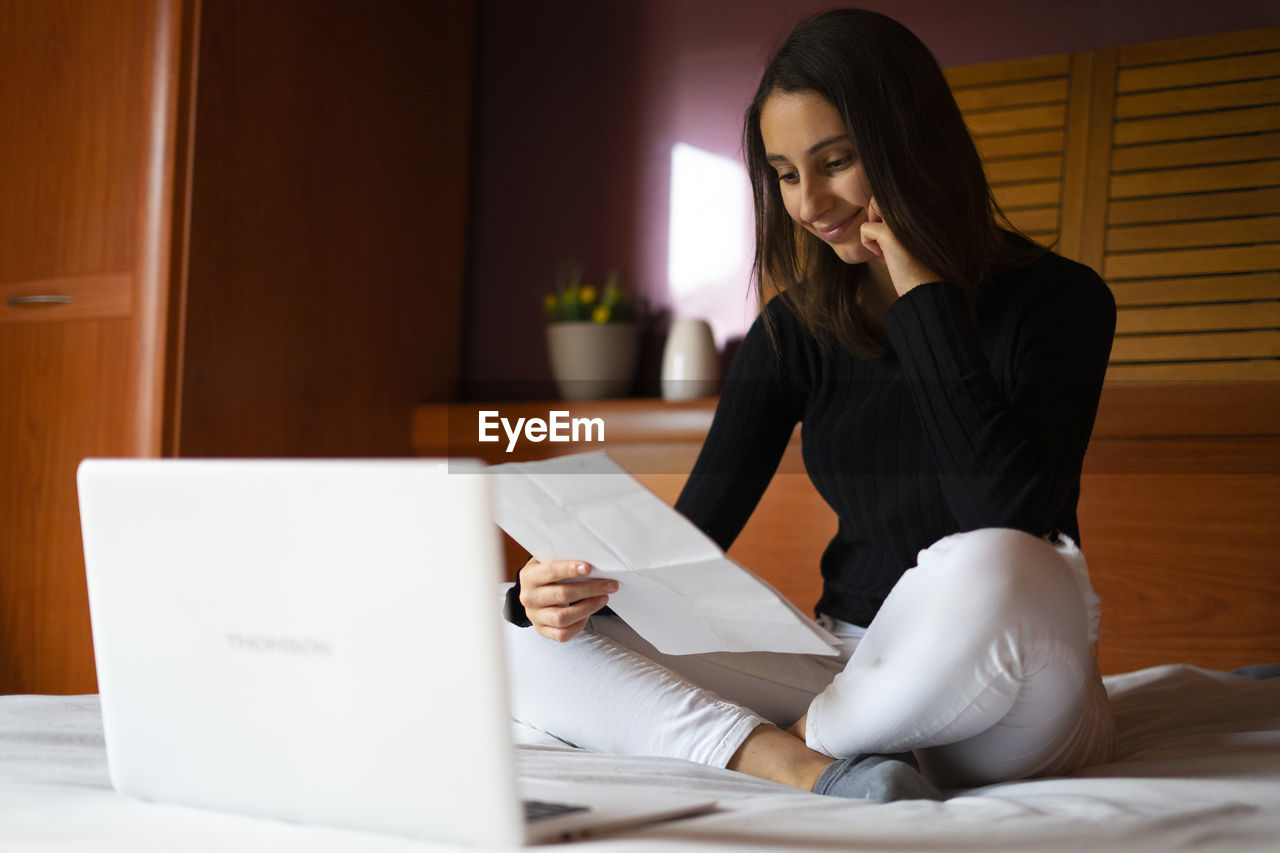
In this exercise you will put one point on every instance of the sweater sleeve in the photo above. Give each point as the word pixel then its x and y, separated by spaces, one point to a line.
pixel 761 402
pixel 1007 456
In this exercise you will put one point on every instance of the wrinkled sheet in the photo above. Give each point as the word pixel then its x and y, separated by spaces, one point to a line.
pixel 1198 769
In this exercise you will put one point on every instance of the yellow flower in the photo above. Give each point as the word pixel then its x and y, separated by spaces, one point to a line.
pixel 601 314
pixel 549 302
pixel 587 294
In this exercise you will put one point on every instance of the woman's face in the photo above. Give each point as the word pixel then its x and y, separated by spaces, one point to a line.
pixel 820 176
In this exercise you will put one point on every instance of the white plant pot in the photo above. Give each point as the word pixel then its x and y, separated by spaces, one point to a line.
pixel 593 361
pixel 690 361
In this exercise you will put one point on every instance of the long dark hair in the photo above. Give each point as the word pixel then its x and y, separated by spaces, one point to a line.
pixel 919 160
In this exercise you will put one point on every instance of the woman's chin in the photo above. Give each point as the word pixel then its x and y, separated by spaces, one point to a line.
pixel 853 253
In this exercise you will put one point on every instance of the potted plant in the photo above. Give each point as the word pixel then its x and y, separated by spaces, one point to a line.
pixel 592 337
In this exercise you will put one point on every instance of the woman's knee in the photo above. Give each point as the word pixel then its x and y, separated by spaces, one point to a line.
pixel 995 564
pixel 988 550
pixel 1006 583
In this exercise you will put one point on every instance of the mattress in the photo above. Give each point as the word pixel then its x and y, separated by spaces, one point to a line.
pixel 1198 767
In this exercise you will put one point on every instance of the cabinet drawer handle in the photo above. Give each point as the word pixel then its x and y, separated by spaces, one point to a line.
pixel 43 299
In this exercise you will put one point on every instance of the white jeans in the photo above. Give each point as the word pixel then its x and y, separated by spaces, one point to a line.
pixel 979 660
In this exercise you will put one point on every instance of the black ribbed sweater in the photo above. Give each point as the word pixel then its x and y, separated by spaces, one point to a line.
pixel 959 425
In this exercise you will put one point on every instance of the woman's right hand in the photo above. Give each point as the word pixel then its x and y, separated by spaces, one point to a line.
pixel 556 599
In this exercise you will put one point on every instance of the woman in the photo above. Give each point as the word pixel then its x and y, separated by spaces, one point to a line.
pixel 946 373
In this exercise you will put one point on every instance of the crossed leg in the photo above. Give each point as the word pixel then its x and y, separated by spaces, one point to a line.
pixel 979 661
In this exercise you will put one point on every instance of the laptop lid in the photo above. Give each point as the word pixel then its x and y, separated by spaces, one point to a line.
pixel 305 640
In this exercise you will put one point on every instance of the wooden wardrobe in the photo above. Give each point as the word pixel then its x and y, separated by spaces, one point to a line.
pixel 227 228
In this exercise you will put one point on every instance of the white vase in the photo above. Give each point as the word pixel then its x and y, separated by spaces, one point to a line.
pixel 690 361
pixel 593 361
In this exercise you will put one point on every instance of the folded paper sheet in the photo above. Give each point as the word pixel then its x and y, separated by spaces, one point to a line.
pixel 676 588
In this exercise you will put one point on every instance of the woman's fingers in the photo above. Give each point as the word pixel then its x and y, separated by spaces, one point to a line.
pixel 535 573
pixel 872 234
pixel 874 230
pixel 566 622
pixel 904 269
pixel 561 635
pixel 558 598
pixel 558 583
pixel 565 594
pixel 571 614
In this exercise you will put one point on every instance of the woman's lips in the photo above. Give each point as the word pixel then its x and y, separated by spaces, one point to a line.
pixel 833 233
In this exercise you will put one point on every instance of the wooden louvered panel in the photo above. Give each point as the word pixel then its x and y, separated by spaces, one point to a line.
pixel 1004 71
pixel 1197 289
pixel 1017 114
pixel 1252 370
pixel 1199 318
pixel 1215 232
pixel 1092 94
pixel 1197 152
pixel 1200 206
pixel 1192 262
pixel 1199 126
pixel 1006 95
pixel 1193 214
pixel 1029 219
pixel 1195 48
pixel 1040 194
pixel 1017 119
pixel 1159 166
pixel 1192 99
pixel 1198 72
pixel 1197 347
pixel 1021 144
pixel 1195 179
pixel 1025 169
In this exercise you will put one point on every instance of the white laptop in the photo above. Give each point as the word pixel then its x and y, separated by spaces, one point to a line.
pixel 317 641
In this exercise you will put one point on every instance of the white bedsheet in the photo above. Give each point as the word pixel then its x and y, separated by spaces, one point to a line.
pixel 1198 768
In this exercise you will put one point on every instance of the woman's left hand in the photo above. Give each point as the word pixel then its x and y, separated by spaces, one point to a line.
pixel 904 269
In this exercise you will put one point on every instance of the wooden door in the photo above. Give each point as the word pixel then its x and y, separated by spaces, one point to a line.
pixel 82 147
pixel 322 287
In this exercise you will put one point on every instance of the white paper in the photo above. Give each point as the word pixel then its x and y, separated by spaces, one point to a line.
pixel 676 588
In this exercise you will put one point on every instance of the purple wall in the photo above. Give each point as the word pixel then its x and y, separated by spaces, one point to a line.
pixel 581 102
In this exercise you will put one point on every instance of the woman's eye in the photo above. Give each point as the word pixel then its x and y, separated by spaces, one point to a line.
pixel 839 163
pixel 788 177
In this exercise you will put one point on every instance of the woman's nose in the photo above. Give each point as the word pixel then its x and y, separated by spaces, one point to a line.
pixel 814 201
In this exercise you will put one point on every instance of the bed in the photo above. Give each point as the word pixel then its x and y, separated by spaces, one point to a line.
pixel 1198 768
pixel 1180 512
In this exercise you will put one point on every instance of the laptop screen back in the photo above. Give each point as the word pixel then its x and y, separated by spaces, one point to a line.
pixel 310 640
